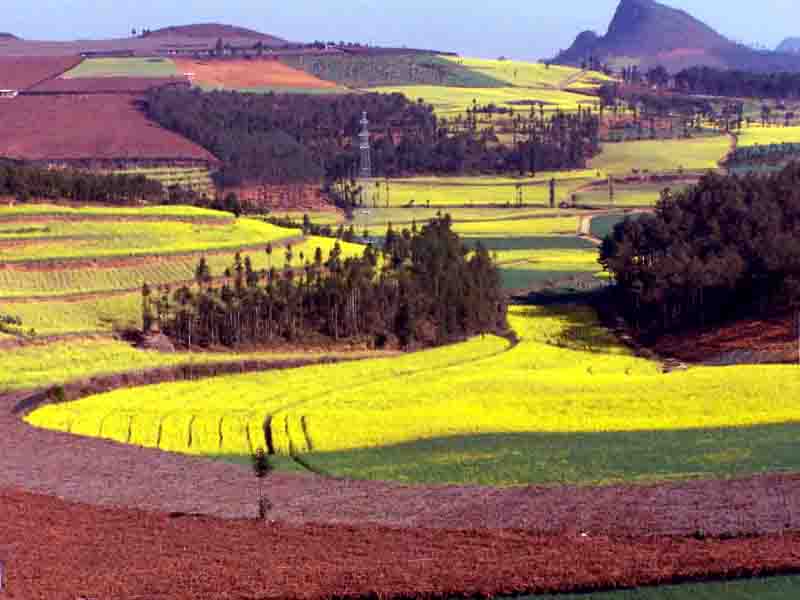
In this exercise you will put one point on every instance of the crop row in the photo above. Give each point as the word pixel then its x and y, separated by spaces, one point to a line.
pixel 41 365
pixel 21 212
pixel 19 283
pixel 125 239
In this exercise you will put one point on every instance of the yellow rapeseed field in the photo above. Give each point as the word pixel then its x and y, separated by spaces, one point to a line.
pixel 567 375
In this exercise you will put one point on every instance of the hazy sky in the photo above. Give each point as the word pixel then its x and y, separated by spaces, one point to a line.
pixel 519 28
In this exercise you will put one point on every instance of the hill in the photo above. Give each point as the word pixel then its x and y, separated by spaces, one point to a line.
pixel 649 33
pixel 215 30
pixel 789 46
pixel 8 36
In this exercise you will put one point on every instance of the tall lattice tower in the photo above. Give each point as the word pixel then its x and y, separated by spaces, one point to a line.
pixel 366 153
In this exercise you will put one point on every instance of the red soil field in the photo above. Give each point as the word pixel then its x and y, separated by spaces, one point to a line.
pixel 104 85
pixel 54 550
pixel 775 337
pixel 100 127
pixel 242 74
pixel 23 72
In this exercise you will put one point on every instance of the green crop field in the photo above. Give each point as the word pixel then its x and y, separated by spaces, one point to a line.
pixel 750 136
pixel 604 224
pixel 406 69
pixel 124 67
pixel 770 588
pixel 634 195
pixel 568 404
pixel 662 155
pixel 473 191
pixel 70 239
pixel 23 283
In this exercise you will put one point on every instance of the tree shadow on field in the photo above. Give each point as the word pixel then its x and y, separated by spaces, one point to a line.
pixel 595 458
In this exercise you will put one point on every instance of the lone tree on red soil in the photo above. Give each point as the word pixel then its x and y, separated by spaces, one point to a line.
pixel 262 468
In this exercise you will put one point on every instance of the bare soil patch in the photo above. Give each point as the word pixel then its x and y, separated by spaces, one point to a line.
pixel 294 197
pixel 105 85
pixel 244 74
pixel 94 127
pixel 751 340
pixel 22 72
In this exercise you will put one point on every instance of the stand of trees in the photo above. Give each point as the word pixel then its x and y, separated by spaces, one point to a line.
pixel 745 84
pixel 729 247
pixel 25 182
pixel 426 289
pixel 289 138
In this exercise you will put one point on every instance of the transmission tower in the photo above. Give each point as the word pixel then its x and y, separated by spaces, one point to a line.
pixel 366 153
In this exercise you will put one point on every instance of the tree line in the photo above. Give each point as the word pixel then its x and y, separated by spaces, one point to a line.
pixel 424 288
pixel 726 248
pixel 743 84
pixel 279 138
pixel 24 183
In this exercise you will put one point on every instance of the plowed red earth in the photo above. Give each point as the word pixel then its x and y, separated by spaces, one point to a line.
pixel 105 85
pixel 87 127
pixel 244 74
pixel 777 336
pixel 54 550
pixel 22 72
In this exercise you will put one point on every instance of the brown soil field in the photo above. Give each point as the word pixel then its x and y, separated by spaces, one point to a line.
pixel 104 85
pixel 773 339
pixel 57 550
pixel 100 127
pixel 297 197
pixel 243 74
pixel 23 72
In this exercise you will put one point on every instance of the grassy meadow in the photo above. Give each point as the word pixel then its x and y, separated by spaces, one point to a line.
pixel 697 154
pixel 625 196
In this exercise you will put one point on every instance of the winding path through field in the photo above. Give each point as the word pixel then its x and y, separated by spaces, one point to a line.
pixel 105 473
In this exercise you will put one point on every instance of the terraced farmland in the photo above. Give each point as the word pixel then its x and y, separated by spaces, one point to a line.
pixel 105 278
pixel 70 240
pixel 61 362
pixel 195 179
pixel 80 271
pixel 565 405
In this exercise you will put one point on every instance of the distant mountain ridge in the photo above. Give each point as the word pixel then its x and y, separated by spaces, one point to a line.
pixel 8 36
pixel 651 33
pixel 790 45
pixel 215 30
